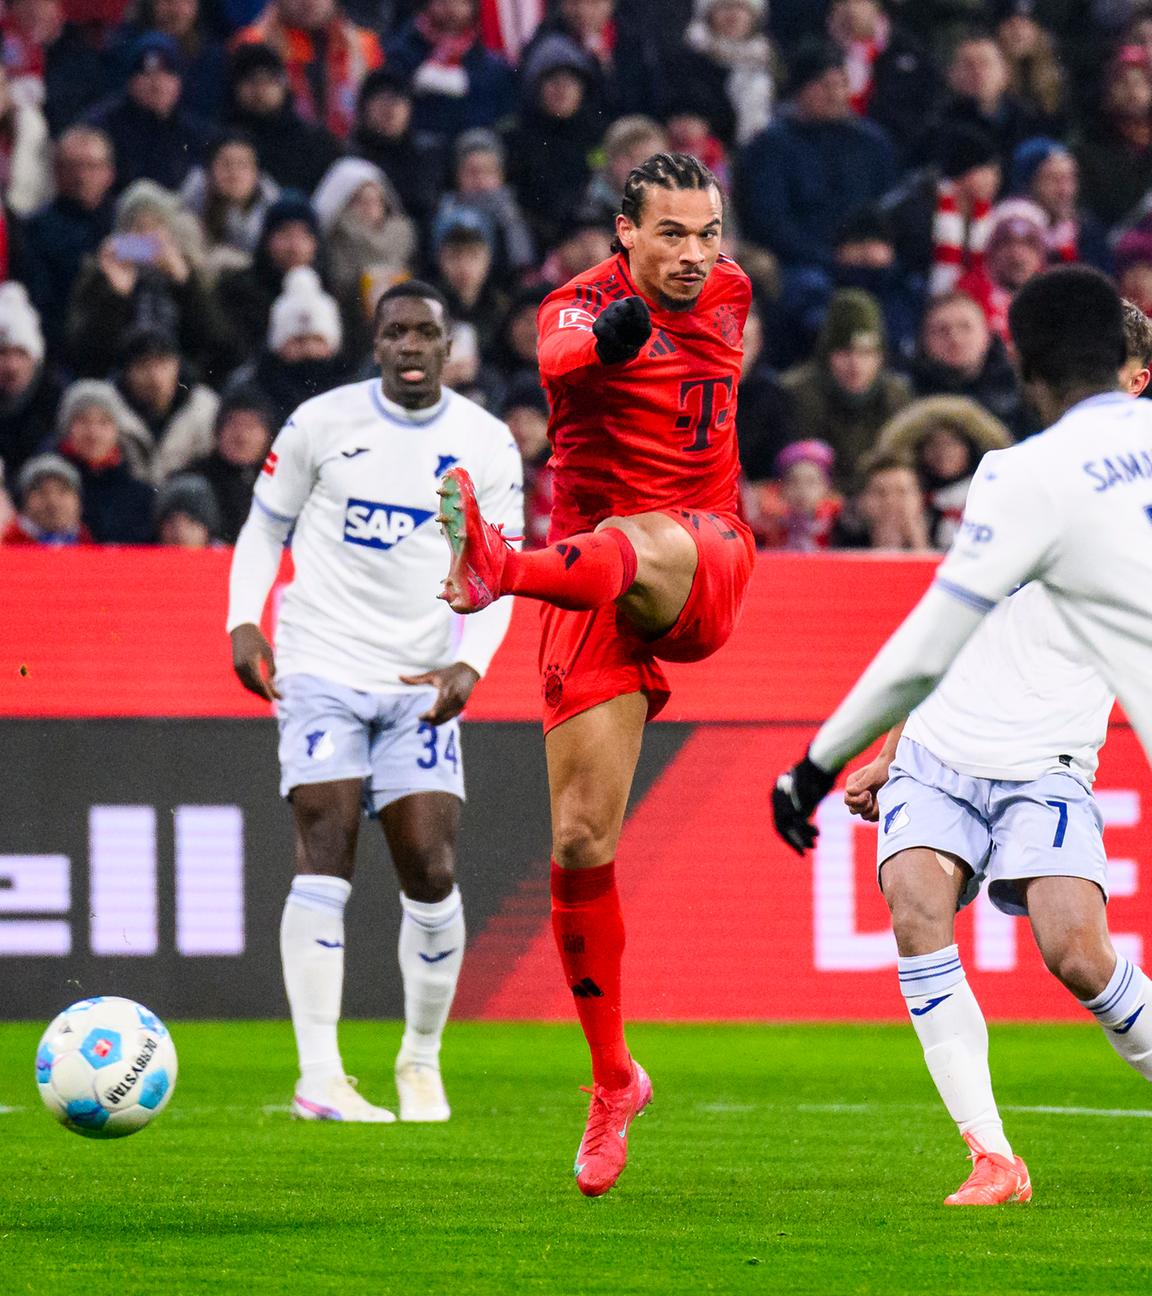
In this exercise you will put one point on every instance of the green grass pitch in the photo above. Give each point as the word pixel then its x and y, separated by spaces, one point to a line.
pixel 807 1159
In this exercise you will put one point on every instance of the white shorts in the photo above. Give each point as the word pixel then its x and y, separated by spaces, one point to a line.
pixel 329 731
pixel 1004 831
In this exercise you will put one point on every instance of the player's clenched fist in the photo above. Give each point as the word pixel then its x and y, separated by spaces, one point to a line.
pixel 797 793
pixel 622 329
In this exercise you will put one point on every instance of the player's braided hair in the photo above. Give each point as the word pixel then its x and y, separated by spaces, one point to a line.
pixel 667 171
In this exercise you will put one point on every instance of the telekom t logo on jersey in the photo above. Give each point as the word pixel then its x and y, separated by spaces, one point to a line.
pixel 709 405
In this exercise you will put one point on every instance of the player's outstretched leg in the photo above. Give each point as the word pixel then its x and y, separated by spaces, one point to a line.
pixel 585 571
pixel 922 894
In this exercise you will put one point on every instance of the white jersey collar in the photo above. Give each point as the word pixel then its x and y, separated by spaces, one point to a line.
pixel 408 418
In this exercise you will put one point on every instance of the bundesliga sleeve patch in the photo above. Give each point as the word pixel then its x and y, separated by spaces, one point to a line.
pixel 574 317
pixel 269 468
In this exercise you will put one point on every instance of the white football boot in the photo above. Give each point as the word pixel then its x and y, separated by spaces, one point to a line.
pixel 338 1101
pixel 422 1096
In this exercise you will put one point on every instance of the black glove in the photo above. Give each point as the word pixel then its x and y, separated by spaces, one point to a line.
pixel 621 330
pixel 797 793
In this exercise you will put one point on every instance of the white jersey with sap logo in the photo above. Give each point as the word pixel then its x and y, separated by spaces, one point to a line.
pixel 357 475
pixel 1021 699
pixel 1070 508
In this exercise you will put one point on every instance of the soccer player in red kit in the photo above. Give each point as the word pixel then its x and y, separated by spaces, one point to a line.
pixel 648 561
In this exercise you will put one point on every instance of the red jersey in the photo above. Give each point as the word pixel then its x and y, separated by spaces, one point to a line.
pixel 656 432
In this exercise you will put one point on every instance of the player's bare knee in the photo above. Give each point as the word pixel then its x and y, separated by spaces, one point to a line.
pixel 1082 967
pixel 922 921
pixel 579 843
pixel 427 876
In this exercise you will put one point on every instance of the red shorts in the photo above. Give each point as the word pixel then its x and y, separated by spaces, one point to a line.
pixel 591 657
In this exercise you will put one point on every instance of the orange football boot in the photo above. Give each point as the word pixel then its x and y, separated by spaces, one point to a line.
pixel 995 1180
pixel 478 548
pixel 603 1151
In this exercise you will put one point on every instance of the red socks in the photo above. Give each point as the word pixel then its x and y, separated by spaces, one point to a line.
pixel 589 931
pixel 584 572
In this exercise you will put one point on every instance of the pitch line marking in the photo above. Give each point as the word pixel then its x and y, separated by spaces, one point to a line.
pixel 1083 1111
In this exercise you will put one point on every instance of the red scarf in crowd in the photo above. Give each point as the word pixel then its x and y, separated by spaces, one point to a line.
pixel 447 50
pixel 957 245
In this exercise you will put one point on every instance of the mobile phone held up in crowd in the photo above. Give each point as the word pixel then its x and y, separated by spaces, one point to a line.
pixel 138 249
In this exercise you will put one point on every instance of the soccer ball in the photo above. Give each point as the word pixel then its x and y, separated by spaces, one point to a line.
pixel 106 1067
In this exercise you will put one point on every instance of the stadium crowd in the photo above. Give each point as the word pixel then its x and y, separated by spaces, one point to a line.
pixel 202 200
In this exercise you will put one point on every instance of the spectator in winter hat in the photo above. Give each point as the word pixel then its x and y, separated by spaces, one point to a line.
pixel 725 70
pixel 1017 251
pixel 370 242
pixel 945 437
pixel 814 166
pixel 844 395
pixel 799 510
pixel 384 136
pixel 186 515
pixel 48 493
pixel 464 275
pixel 1037 75
pixel 74 224
pixel 866 259
pixel 325 57
pixel 890 75
pixel 979 79
pixel 163 393
pixel 148 272
pixel 457 84
pixel 230 195
pixel 289 239
pixel 549 149
pixel 1046 171
pixel 294 152
pixel 1115 153
pixel 627 143
pixel 619 72
pixel 153 137
pixel 29 389
pixel 205 63
pixel 302 356
pixel 25 156
pixel 245 426
pixel 480 192
pixel 939 214
pixel 959 355
pixel 100 438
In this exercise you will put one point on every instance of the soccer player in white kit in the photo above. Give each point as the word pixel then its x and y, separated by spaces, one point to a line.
pixel 370 673
pixel 992 776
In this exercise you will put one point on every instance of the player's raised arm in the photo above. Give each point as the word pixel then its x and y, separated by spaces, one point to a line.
pixel 279 495
pixel 576 332
pixel 1006 537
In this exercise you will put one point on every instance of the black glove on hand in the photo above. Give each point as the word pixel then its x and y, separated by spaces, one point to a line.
pixel 797 793
pixel 621 330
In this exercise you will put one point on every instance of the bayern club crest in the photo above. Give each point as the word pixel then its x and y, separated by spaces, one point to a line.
pixel 727 324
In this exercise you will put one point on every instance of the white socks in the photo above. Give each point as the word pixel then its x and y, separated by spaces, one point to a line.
pixel 312 952
pixel 431 952
pixel 953 1034
pixel 1122 1008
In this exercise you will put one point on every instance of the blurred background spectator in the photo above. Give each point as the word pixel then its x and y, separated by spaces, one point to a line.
pixel 944 438
pixel 29 391
pixel 845 394
pixel 186 515
pixel 800 509
pixel 50 505
pixel 98 436
pixel 230 196
pixel 888 512
pixel 242 436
